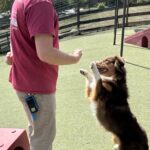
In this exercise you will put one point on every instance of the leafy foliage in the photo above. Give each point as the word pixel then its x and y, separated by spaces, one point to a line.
pixel 101 6
pixel 5 5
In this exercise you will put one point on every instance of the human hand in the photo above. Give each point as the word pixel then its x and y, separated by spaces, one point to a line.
pixel 8 58
pixel 77 55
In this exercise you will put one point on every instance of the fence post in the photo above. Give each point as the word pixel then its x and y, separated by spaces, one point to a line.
pixel 78 17
pixel 127 13
pixel 89 5
pixel 123 26
pixel 116 21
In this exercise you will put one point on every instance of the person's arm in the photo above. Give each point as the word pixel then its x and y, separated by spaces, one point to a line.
pixel 50 55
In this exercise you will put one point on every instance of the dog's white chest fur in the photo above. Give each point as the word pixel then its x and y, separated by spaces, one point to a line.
pixel 93 107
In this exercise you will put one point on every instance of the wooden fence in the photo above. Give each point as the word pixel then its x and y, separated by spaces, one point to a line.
pixel 88 20
pixel 4 42
pixel 4 35
pixel 96 20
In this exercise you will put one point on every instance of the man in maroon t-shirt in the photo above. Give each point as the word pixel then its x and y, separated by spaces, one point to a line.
pixel 35 57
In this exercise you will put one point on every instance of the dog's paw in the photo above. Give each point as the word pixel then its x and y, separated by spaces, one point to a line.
pixel 93 65
pixel 83 72
pixel 94 68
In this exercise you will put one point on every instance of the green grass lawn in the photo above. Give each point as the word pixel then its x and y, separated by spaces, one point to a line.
pixel 76 127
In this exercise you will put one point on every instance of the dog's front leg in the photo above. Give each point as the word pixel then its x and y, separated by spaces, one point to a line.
pixel 89 81
pixel 95 71
pixel 87 74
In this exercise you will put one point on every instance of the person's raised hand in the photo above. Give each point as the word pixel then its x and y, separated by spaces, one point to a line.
pixel 77 55
pixel 8 58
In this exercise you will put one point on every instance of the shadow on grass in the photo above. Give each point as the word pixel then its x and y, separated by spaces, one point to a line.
pixel 133 46
pixel 148 68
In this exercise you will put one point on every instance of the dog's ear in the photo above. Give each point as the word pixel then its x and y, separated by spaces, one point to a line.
pixel 119 61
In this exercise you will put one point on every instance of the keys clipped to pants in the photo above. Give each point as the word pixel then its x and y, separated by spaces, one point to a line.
pixel 32 105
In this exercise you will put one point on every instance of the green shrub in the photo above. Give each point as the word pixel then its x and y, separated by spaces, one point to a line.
pixel 101 6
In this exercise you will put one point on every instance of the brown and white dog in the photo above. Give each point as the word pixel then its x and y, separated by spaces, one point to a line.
pixel 107 91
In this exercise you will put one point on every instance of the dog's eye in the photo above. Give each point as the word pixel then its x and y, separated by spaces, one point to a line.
pixel 110 61
pixel 107 61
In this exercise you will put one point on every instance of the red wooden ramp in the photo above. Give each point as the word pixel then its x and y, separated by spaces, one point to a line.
pixel 141 38
pixel 13 139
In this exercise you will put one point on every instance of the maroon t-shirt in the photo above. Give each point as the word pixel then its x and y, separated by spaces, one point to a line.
pixel 28 73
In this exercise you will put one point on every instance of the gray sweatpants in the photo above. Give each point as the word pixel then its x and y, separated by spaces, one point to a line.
pixel 42 130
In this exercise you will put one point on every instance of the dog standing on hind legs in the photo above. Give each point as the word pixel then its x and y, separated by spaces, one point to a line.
pixel 107 91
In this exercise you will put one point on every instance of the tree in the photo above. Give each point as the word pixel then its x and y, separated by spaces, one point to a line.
pixel 5 5
pixel 61 5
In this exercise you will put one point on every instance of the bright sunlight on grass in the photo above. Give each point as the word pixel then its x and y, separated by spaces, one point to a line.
pixel 76 127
